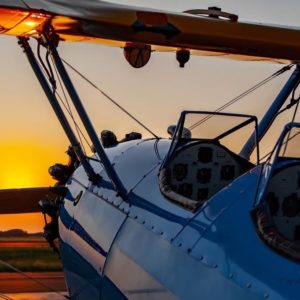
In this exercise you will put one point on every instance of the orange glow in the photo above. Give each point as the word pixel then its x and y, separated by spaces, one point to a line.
pixel 29 222
pixel 11 17
pixel 16 22
pixel 30 23
pixel 24 164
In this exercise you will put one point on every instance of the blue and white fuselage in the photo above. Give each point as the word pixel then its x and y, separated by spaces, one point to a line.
pixel 155 219
pixel 151 248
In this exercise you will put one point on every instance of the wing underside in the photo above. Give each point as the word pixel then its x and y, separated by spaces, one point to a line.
pixel 118 25
pixel 15 201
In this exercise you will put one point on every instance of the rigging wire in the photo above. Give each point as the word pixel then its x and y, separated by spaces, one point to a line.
pixel 5 297
pixel 269 153
pixel 293 100
pixel 78 129
pixel 50 68
pixel 242 95
pixel 44 68
pixel 32 279
pixel 110 98
pixel 50 75
pixel 67 106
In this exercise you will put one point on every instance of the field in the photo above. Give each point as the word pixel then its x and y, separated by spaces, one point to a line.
pixel 30 254
pixel 35 239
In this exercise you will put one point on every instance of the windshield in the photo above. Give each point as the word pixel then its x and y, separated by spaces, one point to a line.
pixel 290 147
pixel 230 130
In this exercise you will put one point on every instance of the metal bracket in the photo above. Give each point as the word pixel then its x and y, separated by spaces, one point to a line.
pixel 213 12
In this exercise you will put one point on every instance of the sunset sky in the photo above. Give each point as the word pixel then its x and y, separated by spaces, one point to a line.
pixel 32 139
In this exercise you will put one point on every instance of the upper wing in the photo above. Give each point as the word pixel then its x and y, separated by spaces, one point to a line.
pixel 114 24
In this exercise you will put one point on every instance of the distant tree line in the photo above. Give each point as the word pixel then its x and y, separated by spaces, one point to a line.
pixel 18 233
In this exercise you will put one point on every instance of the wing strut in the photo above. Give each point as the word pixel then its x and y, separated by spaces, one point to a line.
pixel 51 43
pixel 272 113
pixel 58 110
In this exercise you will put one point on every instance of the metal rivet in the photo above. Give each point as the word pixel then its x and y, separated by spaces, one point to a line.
pixel 180 244
pixel 201 257
pixel 189 250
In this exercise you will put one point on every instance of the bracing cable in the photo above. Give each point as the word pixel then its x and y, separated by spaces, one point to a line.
pixel 50 69
pixel 44 68
pixel 50 75
pixel 294 101
pixel 242 95
pixel 5 297
pixel 78 129
pixel 67 106
pixel 32 279
pixel 289 139
pixel 294 114
pixel 110 98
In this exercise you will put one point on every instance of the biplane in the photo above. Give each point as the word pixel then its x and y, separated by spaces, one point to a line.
pixel 192 216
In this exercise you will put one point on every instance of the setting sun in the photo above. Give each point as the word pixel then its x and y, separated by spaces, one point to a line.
pixel 26 165
pixel 17 176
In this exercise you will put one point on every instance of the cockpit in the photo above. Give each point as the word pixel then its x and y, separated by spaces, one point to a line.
pixel 278 205
pixel 203 157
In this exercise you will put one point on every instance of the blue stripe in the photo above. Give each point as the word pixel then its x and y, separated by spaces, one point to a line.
pixel 135 200
pixel 158 211
pixel 65 217
pixel 110 290
pixel 69 196
pixel 142 203
pixel 76 263
pixel 146 205
pixel 74 225
pixel 71 260
pixel 82 279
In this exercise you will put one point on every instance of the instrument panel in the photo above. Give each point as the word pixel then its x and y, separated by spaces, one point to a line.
pixel 283 198
pixel 199 170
